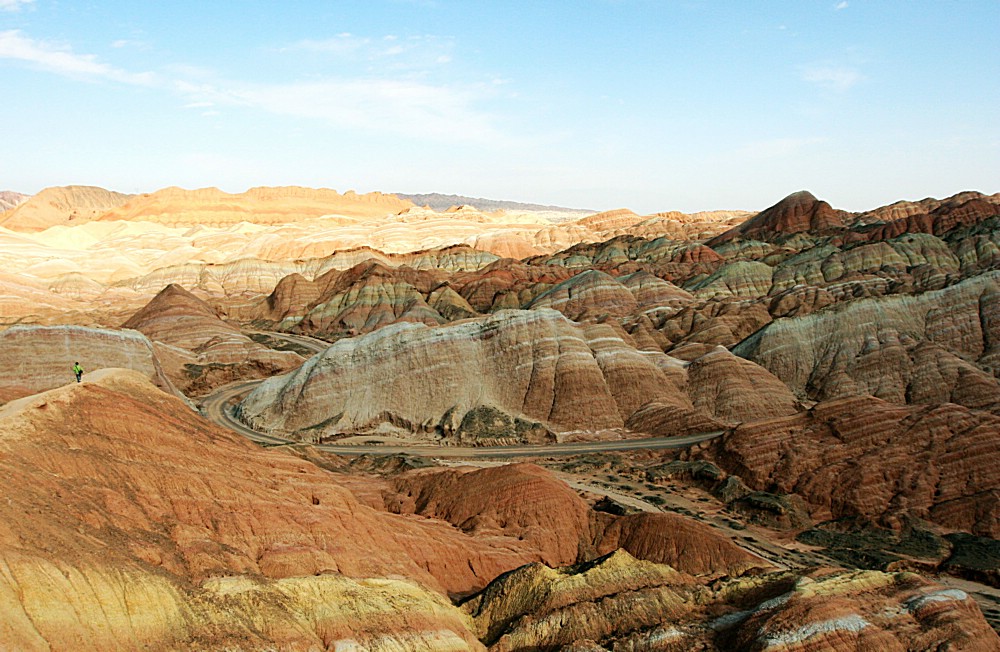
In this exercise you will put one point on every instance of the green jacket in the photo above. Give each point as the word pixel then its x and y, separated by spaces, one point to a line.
pixel 77 369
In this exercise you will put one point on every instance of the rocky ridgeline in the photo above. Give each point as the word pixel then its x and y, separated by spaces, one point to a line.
pixel 620 603
pixel 197 349
pixel 532 373
pixel 850 359
pixel 130 522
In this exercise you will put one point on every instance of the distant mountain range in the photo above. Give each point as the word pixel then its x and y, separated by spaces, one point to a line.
pixel 9 199
pixel 440 202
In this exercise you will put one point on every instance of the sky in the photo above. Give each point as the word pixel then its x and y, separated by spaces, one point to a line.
pixel 652 105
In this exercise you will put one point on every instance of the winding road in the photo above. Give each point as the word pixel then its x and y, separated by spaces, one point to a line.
pixel 219 407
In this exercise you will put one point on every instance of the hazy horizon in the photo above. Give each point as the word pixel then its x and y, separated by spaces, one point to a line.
pixel 645 105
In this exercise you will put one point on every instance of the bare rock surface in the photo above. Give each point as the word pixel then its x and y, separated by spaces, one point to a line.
pixel 534 365
pixel 797 213
pixel 38 358
pixel 202 351
pixel 863 457
pixel 130 521
pixel 527 502
pixel 620 603
pixel 934 347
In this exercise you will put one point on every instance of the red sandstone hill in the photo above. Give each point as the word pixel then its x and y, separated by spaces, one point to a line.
pixel 863 457
pixel 797 213
pixel 201 350
pixel 130 522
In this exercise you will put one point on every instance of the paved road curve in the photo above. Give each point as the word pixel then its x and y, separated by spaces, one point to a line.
pixel 219 406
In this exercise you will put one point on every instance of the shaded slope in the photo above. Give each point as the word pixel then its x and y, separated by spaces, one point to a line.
pixel 528 369
pixel 203 351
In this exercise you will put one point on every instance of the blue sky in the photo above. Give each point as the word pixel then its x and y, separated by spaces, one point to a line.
pixel 652 105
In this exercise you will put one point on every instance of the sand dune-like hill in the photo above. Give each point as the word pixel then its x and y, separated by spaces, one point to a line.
pixel 277 205
pixel 522 373
pixel 61 205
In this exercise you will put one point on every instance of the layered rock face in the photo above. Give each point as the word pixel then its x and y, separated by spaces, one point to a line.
pixel 589 293
pixel 533 366
pixel 202 351
pixel 799 212
pixel 619 603
pixel 147 241
pixel 365 298
pixel 129 521
pixel 526 502
pixel 863 457
pixel 38 358
pixel 936 347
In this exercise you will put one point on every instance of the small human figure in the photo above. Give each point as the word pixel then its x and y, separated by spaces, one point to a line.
pixel 78 370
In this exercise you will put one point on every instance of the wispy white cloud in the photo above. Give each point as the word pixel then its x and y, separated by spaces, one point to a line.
pixel 400 104
pixel 409 108
pixel 838 78
pixel 840 5
pixel 14 5
pixel 63 61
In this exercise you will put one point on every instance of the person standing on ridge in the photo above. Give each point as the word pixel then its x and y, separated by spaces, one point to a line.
pixel 78 370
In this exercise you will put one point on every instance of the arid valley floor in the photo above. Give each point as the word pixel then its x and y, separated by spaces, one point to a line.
pixel 320 421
